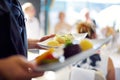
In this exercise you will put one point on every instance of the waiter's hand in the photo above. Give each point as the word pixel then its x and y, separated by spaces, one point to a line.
pixel 17 68
pixel 32 44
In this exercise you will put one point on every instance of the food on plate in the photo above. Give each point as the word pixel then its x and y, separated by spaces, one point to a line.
pixel 53 43
pixel 46 57
pixel 69 37
pixel 85 44
pixel 60 39
pixel 71 49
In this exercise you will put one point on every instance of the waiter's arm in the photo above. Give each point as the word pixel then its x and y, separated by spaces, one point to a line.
pixel 32 43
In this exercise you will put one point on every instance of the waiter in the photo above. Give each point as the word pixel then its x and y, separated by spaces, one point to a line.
pixel 13 40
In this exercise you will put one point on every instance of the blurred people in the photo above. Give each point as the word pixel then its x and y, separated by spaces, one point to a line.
pixel 32 24
pixel 108 31
pixel 86 16
pixel 62 26
pixel 97 62
pixel 85 27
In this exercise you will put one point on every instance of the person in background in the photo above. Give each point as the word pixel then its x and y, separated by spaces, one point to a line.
pixel 108 31
pixel 62 26
pixel 87 18
pixel 34 31
pixel 97 62
pixel 85 27
pixel 14 43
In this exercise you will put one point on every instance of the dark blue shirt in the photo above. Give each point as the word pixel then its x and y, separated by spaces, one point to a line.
pixel 17 13
pixel 13 38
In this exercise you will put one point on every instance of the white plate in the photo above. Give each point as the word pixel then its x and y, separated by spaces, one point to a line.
pixel 75 58
pixel 77 37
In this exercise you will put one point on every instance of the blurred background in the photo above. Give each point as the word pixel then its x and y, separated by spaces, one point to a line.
pixel 45 17
pixel 105 12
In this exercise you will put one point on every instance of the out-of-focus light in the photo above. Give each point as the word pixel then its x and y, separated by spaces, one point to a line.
pixel 50 75
pixel 95 1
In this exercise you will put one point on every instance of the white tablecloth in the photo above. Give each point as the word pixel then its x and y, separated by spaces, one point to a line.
pixel 82 74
